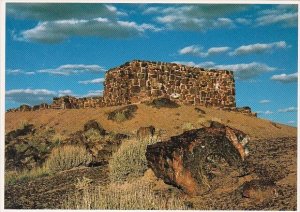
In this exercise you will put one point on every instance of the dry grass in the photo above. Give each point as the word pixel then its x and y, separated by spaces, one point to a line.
pixel 187 126
pixel 67 157
pixel 13 176
pixel 130 160
pixel 138 196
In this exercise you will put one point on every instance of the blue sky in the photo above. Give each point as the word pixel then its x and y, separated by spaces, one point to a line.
pixel 54 50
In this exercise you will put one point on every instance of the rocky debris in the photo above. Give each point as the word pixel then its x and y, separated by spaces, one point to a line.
pixel 123 113
pixel 260 190
pixel 92 124
pixel 100 143
pixel 145 132
pixel 200 111
pixel 193 160
pixel 244 110
pixel 27 148
pixel 163 102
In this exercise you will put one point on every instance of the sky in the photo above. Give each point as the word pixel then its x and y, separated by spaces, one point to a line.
pixel 65 49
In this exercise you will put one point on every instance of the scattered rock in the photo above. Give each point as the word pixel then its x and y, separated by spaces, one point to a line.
pixel 259 190
pixel 163 102
pixel 123 113
pixel 145 132
pixel 193 159
pixel 200 111
pixel 92 124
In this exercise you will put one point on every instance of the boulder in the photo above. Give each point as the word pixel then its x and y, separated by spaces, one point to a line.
pixel 194 160
pixel 92 124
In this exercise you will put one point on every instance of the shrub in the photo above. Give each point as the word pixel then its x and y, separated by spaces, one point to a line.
pixel 188 126
pixel 122 114
pixel 93 135
pixel 138 196
pixel 67 157
pixel 129 160
pixel 12 176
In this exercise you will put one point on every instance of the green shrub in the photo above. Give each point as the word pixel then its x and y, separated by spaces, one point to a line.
pixel 67 157
pixel 138 196
pixel 93 135
pixel 129 160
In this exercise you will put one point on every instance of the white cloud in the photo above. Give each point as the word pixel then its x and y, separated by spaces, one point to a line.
pixel 243 71
pixel 291 122
pixel 92 93
pixel 57 31
pixel 243 21
pixel 268 112
pixel 93 81
pixel 69 69
pixel 264 101
pixel 55 11
pixel 246 71
pixel 285 78
pixel 65 93
pixel 30 96
pixel 285 15
pixel 289 109
pixel 258 48
pixel 19 72
pixel 198 51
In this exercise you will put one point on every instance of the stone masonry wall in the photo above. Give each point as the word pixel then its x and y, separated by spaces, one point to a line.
pixel 138 81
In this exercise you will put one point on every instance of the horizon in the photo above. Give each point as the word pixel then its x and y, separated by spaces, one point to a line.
pixel 51 53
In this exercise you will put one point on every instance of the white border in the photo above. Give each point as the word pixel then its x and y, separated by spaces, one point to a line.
pixel 2 64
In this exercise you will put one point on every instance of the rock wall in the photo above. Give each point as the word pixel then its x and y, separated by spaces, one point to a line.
pixel 138 81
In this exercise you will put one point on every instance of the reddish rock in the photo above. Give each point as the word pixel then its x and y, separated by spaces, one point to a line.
pixel 145 132
pixel 193 159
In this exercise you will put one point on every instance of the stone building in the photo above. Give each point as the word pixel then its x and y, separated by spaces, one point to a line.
pixel 138 81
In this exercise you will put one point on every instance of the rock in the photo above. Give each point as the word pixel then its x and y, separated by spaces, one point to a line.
pixel 145 132
pixel 163 102
pixel 259 190
pixel 123 113
pixel 194 159
pixel 92 124
pixel 27 129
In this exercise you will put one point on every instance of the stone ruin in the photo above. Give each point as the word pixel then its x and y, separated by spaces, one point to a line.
pixel 138 81
pixel 141 81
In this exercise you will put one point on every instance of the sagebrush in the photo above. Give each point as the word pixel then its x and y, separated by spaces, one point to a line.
pixel 130 160
pixel 67 157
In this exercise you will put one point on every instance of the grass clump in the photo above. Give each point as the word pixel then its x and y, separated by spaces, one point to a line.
pixel 129 160
pixel 13 176
pixel 122 114
pixel 67 157
pixel 138 196
pixel 188 126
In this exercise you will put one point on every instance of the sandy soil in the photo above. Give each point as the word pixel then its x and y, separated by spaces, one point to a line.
pixel 170 121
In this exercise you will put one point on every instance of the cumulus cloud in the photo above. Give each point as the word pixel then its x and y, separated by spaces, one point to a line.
pixel 69 69
pixel 268 112
pixel 60 11
pixel 65 93
pixel 264 101
pixel 57 31
pixel 92 93
pixel 93 81
pixel 285 78
pixel 243 71
pixel 289 109
pixel 259 48
pixel 201 17
pixel 284 15
pixel 30 96
pixel 19 72
pixel 199 51
pixel 246 71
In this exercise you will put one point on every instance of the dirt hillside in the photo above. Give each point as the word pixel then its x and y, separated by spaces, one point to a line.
pixel 170 120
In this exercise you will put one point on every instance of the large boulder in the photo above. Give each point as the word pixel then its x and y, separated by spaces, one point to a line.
pixel 198 159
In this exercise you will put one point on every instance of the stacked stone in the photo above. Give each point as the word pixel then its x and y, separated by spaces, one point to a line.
pixel 138 81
